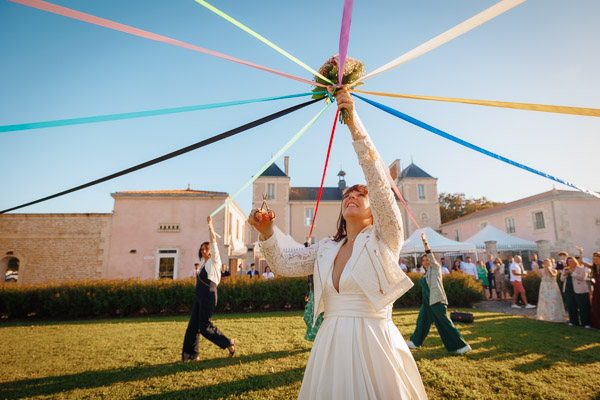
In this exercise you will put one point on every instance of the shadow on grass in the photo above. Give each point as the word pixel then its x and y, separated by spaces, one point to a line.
pixel 234 388
pixel 532 345
pixel 93 379
pixel 149 319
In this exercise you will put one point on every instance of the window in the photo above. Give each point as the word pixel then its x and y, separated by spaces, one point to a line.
pixel 421 190
pixel 237 232
pixel 168 227
pixel 309 214
pixel 538 218
pixel 456 235
pixel 270 191
pixel 510 225
pixel 166 262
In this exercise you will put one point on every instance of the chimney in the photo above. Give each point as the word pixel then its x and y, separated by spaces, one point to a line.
pixel 286 165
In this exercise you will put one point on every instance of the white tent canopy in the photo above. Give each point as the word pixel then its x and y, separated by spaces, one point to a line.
pixel 286 242
pixel 504 241
pixel 438 243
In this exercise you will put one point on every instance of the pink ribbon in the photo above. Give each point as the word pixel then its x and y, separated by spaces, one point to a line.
pixel 67 12
pixel 344 37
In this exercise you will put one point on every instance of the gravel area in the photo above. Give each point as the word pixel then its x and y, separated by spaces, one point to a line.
pixel 504 306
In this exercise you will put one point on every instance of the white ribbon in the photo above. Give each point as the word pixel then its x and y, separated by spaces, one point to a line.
pixel 447 36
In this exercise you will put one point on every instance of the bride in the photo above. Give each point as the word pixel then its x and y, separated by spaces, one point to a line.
pixel 358 352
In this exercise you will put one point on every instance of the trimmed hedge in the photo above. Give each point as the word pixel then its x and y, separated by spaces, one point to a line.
pixel 236 294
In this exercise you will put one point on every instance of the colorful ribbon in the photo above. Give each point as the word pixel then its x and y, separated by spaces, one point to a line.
pixel 138 114
pixel 447 36
pixel 481 150
pixel 344 37
pixel 261 38
pixel 67 12
pixel 591 112
pixel 323 178
pixel 293 140
pixel 173 154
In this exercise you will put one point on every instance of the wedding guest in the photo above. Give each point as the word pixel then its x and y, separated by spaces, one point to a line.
pixel 419 269
pixel 195 271
pixel 225 271
pixel 268 274
pixel 550 302
pixel 560 264
pixel 469 268
pixel 577 297
pixel 402 266
pixel 482 275
pixel 253 272
pixel 595 314
pixel 500 278
pixel 456 266
pixel 434 308
pixel 489 266
pixel 200 323
pixel 516 274
pixel 534 265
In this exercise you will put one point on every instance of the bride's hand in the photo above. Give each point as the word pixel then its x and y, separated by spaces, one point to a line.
pixel 262 221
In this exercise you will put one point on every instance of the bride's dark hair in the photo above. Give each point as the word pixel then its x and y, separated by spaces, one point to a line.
pixel 341 224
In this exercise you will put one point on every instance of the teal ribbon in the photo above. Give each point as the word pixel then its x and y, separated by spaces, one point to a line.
pixel 139 114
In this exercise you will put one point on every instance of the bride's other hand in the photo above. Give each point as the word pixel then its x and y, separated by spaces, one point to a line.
pixel 263 222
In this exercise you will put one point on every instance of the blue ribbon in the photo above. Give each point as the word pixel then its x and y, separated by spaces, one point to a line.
pixel 139 114
pixel 443 134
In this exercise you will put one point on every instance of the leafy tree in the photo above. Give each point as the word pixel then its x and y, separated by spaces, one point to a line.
pixel 456 205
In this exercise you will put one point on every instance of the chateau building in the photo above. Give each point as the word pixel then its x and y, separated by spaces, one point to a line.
pixel 295 206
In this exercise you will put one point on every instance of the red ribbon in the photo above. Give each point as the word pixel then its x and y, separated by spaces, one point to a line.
pixel 324 172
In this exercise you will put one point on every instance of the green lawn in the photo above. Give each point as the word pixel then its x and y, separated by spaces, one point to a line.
pixel 512 358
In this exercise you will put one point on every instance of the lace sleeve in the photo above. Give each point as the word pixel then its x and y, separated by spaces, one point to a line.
pixel 299 262
pixel 386 214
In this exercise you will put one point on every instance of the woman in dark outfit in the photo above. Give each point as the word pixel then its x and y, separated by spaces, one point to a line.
pixel 206 299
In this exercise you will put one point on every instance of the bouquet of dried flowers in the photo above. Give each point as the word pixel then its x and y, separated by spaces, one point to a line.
pixel 353 69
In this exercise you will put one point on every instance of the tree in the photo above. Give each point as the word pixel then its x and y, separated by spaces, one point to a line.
pixel 456 205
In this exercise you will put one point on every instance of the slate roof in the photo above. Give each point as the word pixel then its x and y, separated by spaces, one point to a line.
pixel 273 170
pixel 311 194
pixel 412 171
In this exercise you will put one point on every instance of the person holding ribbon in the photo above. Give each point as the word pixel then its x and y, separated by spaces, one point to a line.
pixel 434 307
pixel 358 352
pixel 207 281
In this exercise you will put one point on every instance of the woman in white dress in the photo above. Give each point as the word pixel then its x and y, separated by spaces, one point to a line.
pixel 550 303
pixel 358 351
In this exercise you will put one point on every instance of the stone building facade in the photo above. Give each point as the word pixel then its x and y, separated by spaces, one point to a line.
pixel 55 247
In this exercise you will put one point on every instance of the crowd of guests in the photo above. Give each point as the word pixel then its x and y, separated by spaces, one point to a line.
pixel 569 287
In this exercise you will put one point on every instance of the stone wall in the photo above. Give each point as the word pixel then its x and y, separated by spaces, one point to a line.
pixel 56 247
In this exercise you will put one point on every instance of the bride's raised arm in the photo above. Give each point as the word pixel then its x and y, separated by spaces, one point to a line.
pixel 386 214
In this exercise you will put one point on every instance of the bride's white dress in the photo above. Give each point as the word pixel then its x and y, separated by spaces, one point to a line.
pixel 358 352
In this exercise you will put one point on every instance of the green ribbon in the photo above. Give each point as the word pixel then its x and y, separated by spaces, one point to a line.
pixel 261 38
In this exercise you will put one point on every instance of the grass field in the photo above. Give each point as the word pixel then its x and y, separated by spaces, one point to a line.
pixel 512 358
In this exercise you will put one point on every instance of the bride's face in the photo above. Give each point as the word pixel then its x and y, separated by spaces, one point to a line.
pixel 356 205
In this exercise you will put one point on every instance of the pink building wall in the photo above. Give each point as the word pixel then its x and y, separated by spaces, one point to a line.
pixel 570 219
pixel 136 226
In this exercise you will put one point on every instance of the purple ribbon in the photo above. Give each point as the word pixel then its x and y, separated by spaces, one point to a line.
pixel 344 37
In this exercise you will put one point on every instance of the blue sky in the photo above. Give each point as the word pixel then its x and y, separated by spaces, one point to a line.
pixel 543 51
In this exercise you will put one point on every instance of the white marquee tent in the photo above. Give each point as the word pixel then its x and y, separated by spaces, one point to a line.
pixel 504 241
pixel 437 242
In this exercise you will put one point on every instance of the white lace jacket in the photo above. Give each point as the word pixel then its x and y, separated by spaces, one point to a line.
pixel 374 260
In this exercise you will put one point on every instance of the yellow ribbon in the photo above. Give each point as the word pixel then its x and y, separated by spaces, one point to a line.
pixel 261 38
pixel 591 112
